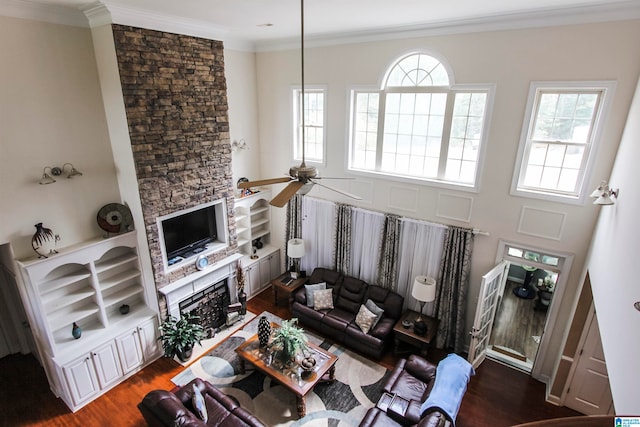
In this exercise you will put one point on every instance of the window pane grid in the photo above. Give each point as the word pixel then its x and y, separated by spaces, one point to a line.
pixel 559 139
pixel 410 131
pixel 313 110
pixel 365 131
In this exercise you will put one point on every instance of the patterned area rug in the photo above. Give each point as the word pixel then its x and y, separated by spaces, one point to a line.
pixel 345 402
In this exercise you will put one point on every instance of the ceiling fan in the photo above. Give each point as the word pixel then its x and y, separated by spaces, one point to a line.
pixel 301 178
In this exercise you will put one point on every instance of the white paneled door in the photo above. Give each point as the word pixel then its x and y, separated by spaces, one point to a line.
pixel 490 290
pixel 589 390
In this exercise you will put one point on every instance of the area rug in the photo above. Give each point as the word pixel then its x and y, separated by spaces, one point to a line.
pixel 344 402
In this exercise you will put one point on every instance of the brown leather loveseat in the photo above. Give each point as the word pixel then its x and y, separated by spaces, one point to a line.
pixel 339 323
pixel 162 408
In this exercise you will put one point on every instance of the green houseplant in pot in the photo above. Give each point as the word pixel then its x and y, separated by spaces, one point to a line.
pixel 178 336
pixel 288 341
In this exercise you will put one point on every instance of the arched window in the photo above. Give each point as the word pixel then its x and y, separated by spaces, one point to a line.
pixel 419 125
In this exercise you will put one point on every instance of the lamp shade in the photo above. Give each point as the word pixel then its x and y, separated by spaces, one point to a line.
pixel 295 248
pixel 424 289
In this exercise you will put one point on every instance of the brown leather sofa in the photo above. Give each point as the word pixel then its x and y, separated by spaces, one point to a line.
pixel 412 379
pixel 338 323
pixel 168 409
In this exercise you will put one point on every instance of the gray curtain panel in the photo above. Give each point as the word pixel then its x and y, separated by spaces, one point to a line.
pixel 388 265
pixel 293 227
pixel 453 282
pixel 343 238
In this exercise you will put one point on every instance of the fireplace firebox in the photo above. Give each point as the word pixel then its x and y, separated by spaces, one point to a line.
pixel 210 305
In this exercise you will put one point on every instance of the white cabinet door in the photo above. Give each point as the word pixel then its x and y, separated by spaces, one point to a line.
pixel 130 350
pixel 81 379
pixel 107 365
pixel 148 335
pixel 269 268
pixel 252 279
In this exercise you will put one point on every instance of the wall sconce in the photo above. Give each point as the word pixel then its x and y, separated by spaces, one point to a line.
pixel 70 171
pixel 239 145
pixel 603 194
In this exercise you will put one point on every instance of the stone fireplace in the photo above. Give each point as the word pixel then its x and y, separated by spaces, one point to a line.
pixel 175 97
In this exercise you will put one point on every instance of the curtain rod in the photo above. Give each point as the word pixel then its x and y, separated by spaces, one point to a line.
pixel 475 231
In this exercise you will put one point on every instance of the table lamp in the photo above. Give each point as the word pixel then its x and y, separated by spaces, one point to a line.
pixel 424 290
pixel 295 251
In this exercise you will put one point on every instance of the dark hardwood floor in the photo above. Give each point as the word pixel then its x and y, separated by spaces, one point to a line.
pixel 517 323
pixel 497 396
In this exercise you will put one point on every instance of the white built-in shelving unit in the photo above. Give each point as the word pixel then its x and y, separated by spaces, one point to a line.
pixel 87 284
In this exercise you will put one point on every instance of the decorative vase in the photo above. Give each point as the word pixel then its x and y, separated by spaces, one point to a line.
pixel 76 331
pixel 124 309
pixel 264 331
pixel 242 299
pixel 44 241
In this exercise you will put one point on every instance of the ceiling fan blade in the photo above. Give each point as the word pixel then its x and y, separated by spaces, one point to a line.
pixel 283 197
pixel 344 193
pixel 260 182
pixel 331 177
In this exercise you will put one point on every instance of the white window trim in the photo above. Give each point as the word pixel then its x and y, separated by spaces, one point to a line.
pixel 294 90
pixel 471 188
pixel 608 88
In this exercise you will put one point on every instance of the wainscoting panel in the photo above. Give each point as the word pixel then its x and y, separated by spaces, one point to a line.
pixel 541 223
pixel 453 206
pixel 403 198
pixel 360 188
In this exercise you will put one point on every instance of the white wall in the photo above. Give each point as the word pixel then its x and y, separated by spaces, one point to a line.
pixel 240 72
pixel 612 269
pixel 508 59
pixel 51 113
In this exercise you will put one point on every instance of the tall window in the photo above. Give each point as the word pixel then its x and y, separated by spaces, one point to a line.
pixel 418 125
pixel 314 123
pixel 559 134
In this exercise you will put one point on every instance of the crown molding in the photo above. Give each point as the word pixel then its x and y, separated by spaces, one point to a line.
pixel 104 13
pixel 43 12
pixel 617 11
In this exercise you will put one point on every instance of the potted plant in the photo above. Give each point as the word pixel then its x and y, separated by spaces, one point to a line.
pixel 178 336
pixel 288 342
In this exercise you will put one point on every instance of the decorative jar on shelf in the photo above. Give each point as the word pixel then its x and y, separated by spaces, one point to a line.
pixel 44 241
pixel 76 331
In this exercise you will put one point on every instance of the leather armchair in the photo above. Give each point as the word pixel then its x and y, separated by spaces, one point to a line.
pixel 412 379
pixel 163 408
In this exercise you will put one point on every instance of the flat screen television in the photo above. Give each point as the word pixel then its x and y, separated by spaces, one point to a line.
pixel 189 232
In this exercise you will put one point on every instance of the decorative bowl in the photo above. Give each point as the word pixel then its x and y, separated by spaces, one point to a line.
pixel 406 324
pixel 308 363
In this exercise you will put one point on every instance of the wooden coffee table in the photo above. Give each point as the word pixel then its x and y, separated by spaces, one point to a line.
pixel 300 385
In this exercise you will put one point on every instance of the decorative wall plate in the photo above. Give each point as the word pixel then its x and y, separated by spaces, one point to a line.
pixel 115 218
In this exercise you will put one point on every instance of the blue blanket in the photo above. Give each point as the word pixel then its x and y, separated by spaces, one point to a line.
pixel 452 375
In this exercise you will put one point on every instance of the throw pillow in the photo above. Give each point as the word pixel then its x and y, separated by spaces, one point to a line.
pixel 323 299
pixel 365 319
pixel 310 289
pixel 373 307
pixel 199 407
